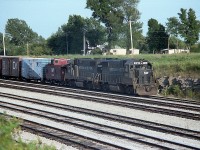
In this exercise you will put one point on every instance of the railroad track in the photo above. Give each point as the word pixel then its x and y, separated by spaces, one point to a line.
pixel 104 130
pixel 184 110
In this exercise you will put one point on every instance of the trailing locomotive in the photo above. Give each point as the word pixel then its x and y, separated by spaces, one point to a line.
pixel 129 76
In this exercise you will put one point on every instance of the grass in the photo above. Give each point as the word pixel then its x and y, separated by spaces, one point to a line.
pixel 9 127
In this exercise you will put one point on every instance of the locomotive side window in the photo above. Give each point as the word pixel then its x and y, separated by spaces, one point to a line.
pixel 4 65
pixel 149 66
pixel 14 65
pixel 126 68
pixel 131 67
pixel 52 70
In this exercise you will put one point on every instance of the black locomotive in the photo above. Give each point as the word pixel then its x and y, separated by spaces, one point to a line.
pixel 129 76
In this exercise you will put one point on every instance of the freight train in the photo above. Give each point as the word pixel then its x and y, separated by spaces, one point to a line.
pixel 130 76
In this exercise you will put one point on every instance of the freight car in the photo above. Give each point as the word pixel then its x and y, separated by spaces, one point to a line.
pixel 11 67
pixel 34 68
pixel 0 67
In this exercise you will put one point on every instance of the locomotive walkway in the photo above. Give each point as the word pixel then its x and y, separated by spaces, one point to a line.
pixel 113 125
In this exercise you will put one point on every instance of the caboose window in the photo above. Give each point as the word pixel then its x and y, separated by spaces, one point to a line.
pixel 52 70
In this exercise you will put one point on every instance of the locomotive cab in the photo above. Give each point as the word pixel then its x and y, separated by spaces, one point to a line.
pixel 141 74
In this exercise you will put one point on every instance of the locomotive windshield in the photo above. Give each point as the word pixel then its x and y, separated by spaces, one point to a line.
pixel 143 66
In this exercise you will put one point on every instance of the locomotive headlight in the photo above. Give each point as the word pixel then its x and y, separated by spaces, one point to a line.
pixel 146 72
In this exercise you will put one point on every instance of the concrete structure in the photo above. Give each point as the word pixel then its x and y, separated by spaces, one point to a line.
pixel 174 51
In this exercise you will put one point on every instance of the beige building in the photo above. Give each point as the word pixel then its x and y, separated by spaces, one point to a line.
pixel 134 51
pixel 118 51
pixel 121 51
pixel 174 51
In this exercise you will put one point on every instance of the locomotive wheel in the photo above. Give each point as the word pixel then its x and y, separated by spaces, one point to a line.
pixel 105 87
pixel 89 86
pixel 129 90
pixel 72 83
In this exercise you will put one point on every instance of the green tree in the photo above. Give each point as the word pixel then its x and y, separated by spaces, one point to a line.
pixel 196 48
pixel 95 32
pixel 57 42
pixel 189 28
pixel 1 43
pixel 69 37
pixel 172 28
pixel 19 32
pixel 157 38
pixel 19 36
pixel 116 14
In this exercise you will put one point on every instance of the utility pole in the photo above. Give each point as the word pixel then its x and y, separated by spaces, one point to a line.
pixel 27 48
pixel 84 42
pixel 168 42
pixel 67 41
pixel 131 35
pixel 4 46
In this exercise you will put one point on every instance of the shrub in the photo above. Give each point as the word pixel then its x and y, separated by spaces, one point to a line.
pixel 96 51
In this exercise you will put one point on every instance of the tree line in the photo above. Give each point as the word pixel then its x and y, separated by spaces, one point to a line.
pixel 109 25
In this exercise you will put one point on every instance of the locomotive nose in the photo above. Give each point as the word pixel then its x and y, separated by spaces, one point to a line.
pixel 146 90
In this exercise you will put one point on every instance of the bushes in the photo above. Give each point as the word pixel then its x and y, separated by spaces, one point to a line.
pixel 175 90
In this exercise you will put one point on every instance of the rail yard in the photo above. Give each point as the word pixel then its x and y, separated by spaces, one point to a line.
pixel 95 120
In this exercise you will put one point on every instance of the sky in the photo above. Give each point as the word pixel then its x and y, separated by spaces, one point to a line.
pixel 46 16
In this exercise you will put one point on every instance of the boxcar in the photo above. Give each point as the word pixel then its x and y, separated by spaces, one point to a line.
pixel 55 72
pixel 11 67
pixel 0 67
pixel 34 68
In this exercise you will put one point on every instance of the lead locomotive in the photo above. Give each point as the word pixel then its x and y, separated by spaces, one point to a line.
pixel 129 76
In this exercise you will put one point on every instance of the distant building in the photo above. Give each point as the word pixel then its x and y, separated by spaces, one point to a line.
pixel 118 51
pixel 121 51
pixel 134 51
pixel 174 51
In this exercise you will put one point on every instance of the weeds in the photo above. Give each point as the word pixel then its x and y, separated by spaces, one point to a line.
pixel 9 127
pixel 175 90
